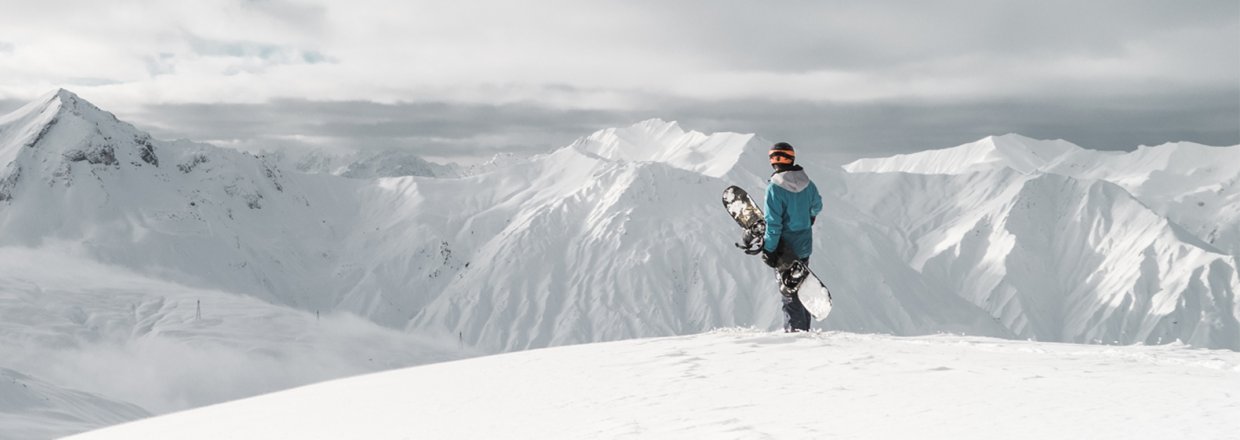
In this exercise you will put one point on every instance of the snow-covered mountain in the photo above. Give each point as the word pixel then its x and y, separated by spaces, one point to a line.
pixel 1193 185
pixel 1089 246
pixel 619 235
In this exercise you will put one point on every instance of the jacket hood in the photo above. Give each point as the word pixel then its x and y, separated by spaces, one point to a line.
pixel 794 180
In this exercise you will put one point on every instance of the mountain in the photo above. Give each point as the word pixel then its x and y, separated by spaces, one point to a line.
pixel 1193 185
pixel 1063 243
pixel 629 219
pixel 750 384
pixel 618 235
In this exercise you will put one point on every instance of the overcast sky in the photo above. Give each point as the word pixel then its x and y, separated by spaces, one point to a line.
pixel 464 79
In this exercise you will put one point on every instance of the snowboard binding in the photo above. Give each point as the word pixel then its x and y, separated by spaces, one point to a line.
pixel 751 239
pixel 791 276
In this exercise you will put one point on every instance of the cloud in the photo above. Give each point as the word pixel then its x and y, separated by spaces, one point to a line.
pixel 438 129
pixel 300 15
pixel 8 105
pixel 271 53
pixel 608 63
pixel 848 131
pixel 821 51
pixel 7 47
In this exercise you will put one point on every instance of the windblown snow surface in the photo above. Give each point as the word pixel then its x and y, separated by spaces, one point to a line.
pixel 110 241
pixel 745 384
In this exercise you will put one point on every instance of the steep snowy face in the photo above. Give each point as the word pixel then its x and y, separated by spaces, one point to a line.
pixel 1020 153
pixel 1085 246
pixel 1193 185
pixel 1052 257
pixel 656 140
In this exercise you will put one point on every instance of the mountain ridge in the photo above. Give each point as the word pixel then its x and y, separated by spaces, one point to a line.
pixel 618 235
pixel 389 249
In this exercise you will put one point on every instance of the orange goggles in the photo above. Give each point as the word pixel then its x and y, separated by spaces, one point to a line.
pixel 782 157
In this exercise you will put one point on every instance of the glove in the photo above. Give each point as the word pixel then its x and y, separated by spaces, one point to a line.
pixel 770 258
pixel 812 219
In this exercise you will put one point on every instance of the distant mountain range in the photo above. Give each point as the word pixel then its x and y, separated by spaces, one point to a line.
pixel 621 234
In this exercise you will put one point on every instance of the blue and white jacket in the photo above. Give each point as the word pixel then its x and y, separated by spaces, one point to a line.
pixel 791 201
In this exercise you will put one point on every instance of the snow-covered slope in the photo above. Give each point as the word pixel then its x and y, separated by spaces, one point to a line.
pixel 84 345
pixel 747 384
pixel 32 408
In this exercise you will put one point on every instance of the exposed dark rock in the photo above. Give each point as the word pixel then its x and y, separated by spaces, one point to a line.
pixel 252 200
pixel 274 177
pixel 193 163
pixel 8 183
pixel 146 149
pixel 97 154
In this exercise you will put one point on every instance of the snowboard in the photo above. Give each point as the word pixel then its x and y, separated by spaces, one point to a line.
pixel 794 277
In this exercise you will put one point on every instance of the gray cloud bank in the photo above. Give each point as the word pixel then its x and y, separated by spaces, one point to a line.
pixel 844 131
pixel 852 79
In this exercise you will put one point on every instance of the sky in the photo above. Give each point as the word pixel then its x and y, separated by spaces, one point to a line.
pixel 464 80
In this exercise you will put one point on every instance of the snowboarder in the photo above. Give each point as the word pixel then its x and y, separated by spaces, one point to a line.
pixel 792 205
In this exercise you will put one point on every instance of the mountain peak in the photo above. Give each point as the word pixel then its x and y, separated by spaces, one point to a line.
pixel 57 103
pixel 64 94
pixel 59 129
pixel 658 140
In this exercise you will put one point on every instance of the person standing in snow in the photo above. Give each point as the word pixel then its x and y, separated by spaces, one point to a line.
pixel 792 205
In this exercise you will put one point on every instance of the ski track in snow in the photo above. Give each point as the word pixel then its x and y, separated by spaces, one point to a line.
pixel 746 384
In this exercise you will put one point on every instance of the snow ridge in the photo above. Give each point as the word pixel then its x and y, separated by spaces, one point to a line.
pixel 1020 153
pixel 656 140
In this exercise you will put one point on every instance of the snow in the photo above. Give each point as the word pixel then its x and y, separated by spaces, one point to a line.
pixel 752 384
pixel 87 345
pixel 31 408
pixel 656 140
pixel 1020 153
pixel 109 238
